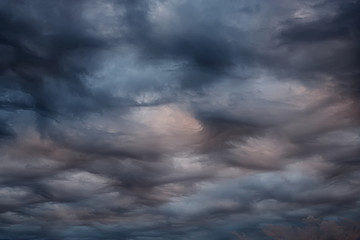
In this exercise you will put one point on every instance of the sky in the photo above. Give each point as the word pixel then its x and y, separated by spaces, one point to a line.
pixel 177 119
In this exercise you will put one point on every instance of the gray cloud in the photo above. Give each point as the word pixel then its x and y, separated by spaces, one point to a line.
pixel 176 119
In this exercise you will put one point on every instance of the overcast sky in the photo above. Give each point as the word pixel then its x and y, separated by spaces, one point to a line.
pixel 176 119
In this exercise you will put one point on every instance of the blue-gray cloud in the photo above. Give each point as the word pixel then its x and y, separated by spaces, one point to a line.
pixel 173 119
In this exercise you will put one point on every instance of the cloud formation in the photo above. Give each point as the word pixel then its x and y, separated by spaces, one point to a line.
pixel 170 119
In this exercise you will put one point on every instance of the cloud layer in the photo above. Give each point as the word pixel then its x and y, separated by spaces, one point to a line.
pixel 170 119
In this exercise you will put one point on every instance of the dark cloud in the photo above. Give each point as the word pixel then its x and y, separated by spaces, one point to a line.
pixel 47 50
pixel 335 36
pixel 172 119
pixel 6 131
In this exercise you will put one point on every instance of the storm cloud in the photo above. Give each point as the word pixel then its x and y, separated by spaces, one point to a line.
pixel 177 119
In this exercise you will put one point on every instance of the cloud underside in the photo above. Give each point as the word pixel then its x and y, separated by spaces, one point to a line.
pixel 170 119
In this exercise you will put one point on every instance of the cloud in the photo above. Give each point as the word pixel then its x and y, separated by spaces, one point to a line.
pixel 334 34
pixel 176 119
pixel 316 229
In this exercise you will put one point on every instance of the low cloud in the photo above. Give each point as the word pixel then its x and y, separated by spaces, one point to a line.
pixel 178 119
